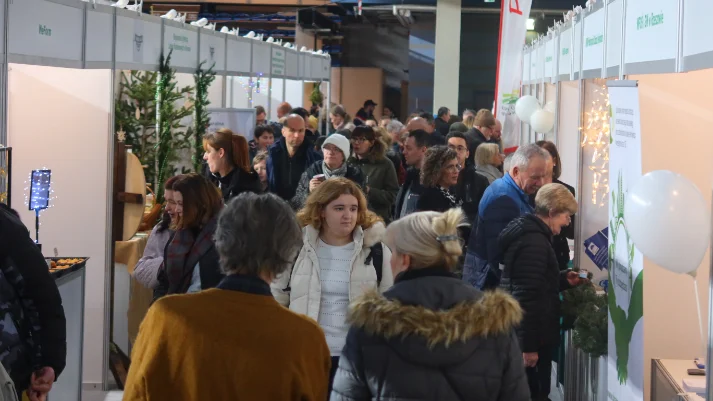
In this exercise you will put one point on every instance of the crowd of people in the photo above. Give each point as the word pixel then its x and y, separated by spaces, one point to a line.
pixel 388 260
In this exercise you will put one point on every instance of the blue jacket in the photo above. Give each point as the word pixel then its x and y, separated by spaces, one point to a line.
pixel 502 202
pixel 277 154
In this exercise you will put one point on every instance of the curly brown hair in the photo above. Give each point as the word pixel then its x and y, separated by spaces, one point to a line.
pixel 433 161
pixel 328 191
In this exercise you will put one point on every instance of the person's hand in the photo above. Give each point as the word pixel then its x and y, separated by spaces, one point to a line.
pixel 41 384
pixel 573 279
pixel 530 359
pixel 314 183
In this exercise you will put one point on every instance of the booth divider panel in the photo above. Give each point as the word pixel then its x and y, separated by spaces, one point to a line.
pixel 261 59
pixel 48 30
pixel 99 35
pixel 184 43
pixel 292 66
pixel 613 57
pixel 138 42
pixel 550 65
pixel 239 55
pixel 278 62
pixel 212 50
pixel 526 67
pixel 577 47
pixel 306 72
pixel 697 34
pixel 2 27
pixel 316 67
pixel 651 31
pixel 539 62
pixel 565 54
pixel 326 68
pixel 593 44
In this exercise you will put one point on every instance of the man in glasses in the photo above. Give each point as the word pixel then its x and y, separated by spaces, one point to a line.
pixel 471 185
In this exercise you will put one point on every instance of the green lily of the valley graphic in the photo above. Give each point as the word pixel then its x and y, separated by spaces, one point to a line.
pixel 624 321
pixel 611 125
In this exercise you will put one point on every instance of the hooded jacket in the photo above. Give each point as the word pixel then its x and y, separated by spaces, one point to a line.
pixel 300 288
pixel 432 337
pixel 380 177
pixel 532 276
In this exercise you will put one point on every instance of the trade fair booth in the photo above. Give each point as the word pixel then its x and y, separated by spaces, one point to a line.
pixel 61 113
pixel 630 79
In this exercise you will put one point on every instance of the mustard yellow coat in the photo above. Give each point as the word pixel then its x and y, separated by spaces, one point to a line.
pixel 227 345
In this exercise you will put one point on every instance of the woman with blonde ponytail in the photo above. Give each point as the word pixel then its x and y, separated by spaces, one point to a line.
pixel 228 158
pixel 431 336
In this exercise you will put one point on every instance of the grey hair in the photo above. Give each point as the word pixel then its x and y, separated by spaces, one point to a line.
pixel 257 234
pixel 485 153
pixel 394 126
pixel 521 158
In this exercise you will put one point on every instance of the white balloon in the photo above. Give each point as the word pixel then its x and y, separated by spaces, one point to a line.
pixel 525 106
pixel 550 106
pixel 668 220
pixel 542 121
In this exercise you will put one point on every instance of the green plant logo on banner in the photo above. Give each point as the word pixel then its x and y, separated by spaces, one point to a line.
pixel 624 321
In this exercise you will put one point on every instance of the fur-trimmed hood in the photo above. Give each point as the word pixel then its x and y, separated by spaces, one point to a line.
pixel 452 320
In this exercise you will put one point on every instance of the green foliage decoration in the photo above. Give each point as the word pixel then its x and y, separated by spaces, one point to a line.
pixel 201 117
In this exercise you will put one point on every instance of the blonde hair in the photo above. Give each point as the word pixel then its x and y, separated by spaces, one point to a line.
pixel 485 153
pixel 429 238
pixel 469 121
pixel 261 156
pixel 554 199
pixel 328 191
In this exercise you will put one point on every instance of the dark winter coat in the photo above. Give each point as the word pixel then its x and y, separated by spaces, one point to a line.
pixel 432 199
pixel 407 198
pixel 284 172
pixel 470 189
pixel 442 127
pixel 380 177
pixel 532 276
pixel 474 138
pixel 559 242
pixel 237 182
pixel 33 327
pixel 353 173
pixel 432 337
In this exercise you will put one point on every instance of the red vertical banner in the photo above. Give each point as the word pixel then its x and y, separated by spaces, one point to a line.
pixel 513 28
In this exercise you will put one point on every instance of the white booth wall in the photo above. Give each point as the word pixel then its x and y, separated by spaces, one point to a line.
pixel 61 119
pixel 549 102
pixel 675 120
pixel 239 93
pixel 260 95
pixel 568 131
pixel 294 92
pixel 277 96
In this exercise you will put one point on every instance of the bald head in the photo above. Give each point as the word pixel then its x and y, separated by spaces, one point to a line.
pixel 419 123
pixel 294 132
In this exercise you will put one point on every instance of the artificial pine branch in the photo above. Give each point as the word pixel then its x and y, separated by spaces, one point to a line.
pixel 586 312
pixel 201 118
pixel 168 118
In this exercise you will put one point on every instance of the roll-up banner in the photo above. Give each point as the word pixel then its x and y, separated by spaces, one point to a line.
pixel 626 264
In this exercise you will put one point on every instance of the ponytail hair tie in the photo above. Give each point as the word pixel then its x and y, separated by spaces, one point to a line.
pixel 446 238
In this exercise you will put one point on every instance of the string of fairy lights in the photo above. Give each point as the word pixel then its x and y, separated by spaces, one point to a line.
pixel 595 136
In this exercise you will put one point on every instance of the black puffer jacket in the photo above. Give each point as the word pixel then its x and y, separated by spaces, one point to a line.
pixel 432 337
pixel 533 277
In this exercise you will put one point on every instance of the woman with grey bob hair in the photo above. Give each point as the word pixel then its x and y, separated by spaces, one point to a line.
pixel 259 238
pixel 487 161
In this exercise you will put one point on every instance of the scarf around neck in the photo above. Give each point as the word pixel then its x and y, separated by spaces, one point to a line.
pixel 184 250
pixel 340 172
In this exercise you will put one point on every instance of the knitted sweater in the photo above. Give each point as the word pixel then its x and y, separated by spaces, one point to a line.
pixel 227 345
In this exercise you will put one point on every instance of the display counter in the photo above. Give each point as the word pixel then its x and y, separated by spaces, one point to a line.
pixel 71 288
pixel 667 380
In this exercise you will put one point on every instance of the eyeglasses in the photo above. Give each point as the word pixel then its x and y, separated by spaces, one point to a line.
pixel 458 148
pixel 454 168
pixel 358 140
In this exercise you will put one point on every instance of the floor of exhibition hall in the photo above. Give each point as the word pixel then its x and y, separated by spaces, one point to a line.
pixel 555 393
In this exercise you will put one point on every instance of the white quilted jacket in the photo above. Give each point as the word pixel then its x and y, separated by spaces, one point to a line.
pixel 300 288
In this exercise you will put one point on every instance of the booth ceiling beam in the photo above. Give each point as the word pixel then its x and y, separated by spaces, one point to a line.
pixel 416 8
